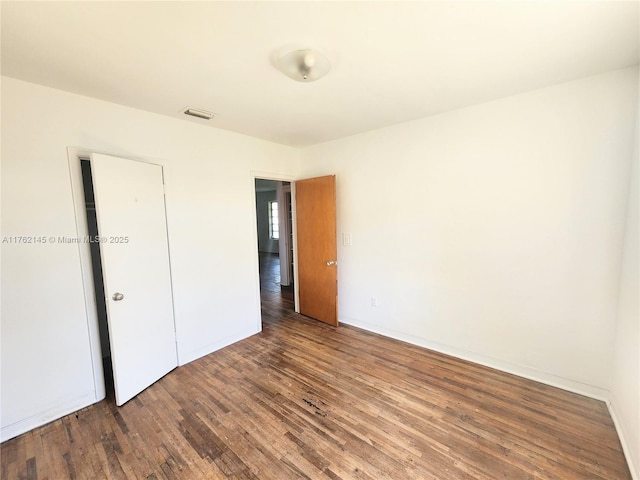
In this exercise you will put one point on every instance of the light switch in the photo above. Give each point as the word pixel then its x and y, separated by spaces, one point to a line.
pixel 346 239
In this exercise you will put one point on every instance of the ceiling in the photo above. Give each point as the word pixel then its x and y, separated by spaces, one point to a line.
pixel 391 61
pixel 263 185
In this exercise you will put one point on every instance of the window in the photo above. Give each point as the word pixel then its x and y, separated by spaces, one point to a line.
pixel 274 227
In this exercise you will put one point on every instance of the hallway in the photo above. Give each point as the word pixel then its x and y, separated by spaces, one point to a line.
pixel 276 300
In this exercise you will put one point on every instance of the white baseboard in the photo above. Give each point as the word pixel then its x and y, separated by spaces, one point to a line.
pixel 552 380
pixel 65 407
pixel 519 370
pixel 635 469
pixel 188 357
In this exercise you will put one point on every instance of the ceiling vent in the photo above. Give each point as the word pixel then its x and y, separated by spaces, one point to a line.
pixel 196 112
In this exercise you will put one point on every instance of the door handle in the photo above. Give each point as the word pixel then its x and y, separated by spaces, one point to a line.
pixel 117 297
pixel 331 263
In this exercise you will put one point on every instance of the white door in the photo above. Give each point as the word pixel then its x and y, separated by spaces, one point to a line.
pixel 130 209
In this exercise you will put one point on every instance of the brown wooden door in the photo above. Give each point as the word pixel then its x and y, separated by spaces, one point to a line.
pixel 317 249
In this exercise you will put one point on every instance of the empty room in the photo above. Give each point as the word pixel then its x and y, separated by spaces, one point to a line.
pixel 321 239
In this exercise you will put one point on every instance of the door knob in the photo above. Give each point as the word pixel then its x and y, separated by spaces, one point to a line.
pixel 331 262
pixel 117 297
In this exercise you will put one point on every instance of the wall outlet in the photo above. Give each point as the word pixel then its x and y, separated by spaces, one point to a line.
pixel 374 302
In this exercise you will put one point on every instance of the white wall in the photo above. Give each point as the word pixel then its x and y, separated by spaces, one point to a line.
pixel 625 388
pixel 45 348
pixel 493 232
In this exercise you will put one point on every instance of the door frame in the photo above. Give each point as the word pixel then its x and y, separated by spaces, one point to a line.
pixel 75 155
pixel 256 261
pixel 285 248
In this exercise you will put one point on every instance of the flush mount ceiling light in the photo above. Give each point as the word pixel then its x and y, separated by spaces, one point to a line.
pixel 303 65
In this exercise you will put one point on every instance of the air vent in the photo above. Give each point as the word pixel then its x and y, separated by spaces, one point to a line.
pixel 195 112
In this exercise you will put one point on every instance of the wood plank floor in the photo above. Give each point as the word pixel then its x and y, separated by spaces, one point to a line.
pixel 303 400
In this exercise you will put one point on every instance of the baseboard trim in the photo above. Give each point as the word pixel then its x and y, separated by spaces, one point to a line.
pixel 634 469
pixel 552 380
pixel 529 373
pixel 65 407
pixel 189 357
pixel 68 406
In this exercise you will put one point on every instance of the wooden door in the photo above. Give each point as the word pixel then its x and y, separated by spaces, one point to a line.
pixel 317 248
pixel 130 210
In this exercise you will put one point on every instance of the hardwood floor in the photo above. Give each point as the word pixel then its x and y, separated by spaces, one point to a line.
pixel 306 400
pixel 270 280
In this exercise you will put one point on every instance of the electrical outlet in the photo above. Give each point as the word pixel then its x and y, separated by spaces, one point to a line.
pixel 374 302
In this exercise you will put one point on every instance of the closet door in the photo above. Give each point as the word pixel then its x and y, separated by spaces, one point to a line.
pixel 130 209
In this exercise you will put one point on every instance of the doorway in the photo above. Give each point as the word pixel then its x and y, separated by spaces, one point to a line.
pixel 306 210
pixel 98 282
pixel 124 258
pixel 274 218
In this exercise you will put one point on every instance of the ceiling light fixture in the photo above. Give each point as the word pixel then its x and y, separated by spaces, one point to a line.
pixel 303 65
